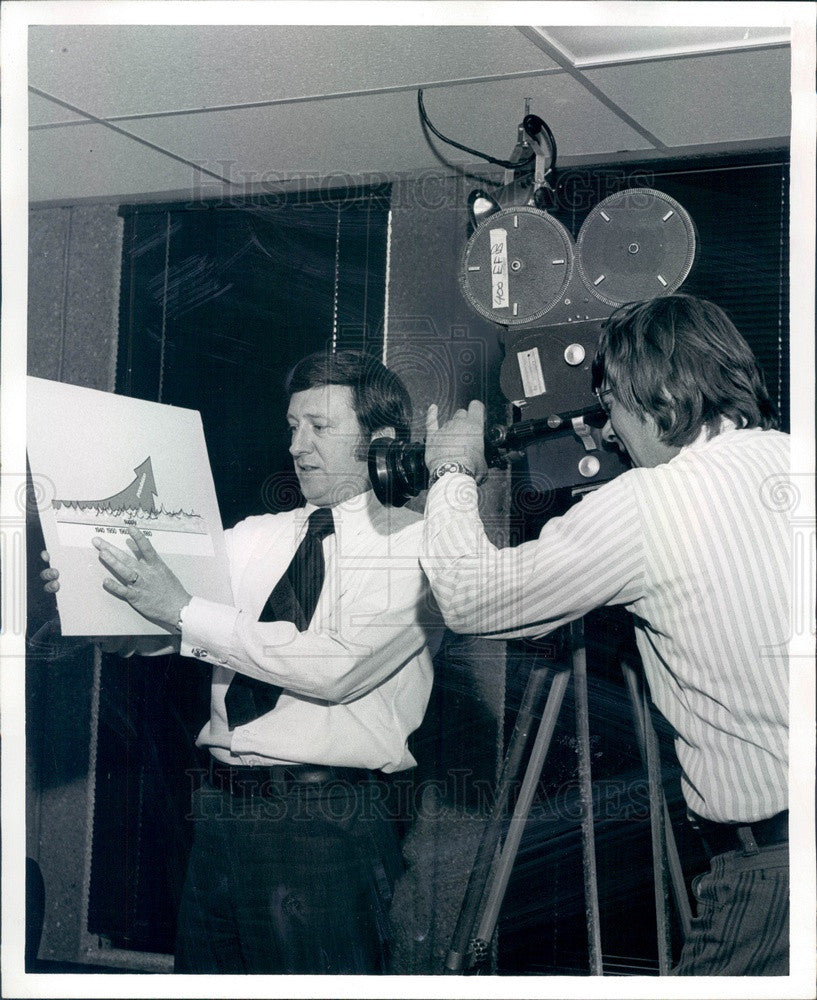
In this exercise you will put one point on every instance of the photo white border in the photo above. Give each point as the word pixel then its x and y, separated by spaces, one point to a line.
pixel 16 16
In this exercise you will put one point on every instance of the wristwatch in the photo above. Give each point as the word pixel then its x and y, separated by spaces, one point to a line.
pixel 445 467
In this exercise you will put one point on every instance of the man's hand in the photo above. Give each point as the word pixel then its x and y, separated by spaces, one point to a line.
pixel 125 645
pixel 143 579
pixel 461 439
pixel 51 576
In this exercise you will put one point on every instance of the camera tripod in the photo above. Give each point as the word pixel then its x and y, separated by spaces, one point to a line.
pixel 492 867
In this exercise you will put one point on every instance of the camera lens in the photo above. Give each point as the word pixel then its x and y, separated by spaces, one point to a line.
pixel 397 471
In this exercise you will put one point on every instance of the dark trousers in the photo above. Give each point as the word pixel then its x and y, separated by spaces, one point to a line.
pixel 296 882
pixel 742 923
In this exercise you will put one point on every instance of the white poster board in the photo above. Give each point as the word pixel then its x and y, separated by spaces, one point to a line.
pixel 99 462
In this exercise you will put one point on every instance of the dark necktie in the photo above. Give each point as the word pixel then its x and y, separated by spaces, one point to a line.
pixel 293 599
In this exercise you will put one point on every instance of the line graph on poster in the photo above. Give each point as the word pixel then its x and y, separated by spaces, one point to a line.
pixel 137 505
pixel 102 464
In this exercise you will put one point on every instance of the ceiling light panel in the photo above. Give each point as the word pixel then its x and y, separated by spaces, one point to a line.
pixel 587 46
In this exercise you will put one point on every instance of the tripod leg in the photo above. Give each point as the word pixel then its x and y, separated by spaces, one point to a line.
pixel 502 870
pixel 591 889
pixel 677 874
pixel 458 952
pixel 659 846
pixel 679 890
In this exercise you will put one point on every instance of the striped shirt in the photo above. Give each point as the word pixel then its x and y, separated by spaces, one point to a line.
pixel 700 553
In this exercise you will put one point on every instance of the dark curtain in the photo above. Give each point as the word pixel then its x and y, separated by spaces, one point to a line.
pixel 741 216
pixel 217 302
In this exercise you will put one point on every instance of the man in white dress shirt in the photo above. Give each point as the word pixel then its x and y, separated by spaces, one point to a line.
pixel 692 542
pixel 315 686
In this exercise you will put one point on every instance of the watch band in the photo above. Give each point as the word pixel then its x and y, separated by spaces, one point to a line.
pixel 445 467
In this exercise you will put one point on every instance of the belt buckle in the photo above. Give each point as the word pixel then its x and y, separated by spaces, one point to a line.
pixel 317 774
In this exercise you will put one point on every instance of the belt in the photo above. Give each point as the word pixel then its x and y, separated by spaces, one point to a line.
pixel 719 838
pixel 245 782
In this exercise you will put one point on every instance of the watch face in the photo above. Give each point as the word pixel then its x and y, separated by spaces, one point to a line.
pixel 445 467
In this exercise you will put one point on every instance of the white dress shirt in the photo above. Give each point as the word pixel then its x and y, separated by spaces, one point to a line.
pixel 357 681
pixel 699 551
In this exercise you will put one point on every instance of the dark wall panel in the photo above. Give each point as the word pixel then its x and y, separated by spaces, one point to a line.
pixel 73 299
pixel 74 264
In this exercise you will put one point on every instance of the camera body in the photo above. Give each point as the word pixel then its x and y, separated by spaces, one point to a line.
pixel 398 471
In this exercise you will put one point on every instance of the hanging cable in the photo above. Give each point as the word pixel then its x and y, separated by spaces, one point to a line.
pixel 507 164
pixel 533 125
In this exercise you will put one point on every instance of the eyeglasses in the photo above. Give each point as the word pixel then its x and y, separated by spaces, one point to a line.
pixel 604 396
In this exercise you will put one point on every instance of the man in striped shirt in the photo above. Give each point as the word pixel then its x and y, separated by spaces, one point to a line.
pixel 692 541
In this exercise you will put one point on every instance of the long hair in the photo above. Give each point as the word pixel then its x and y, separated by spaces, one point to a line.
pixel 379 397
pixel 683 361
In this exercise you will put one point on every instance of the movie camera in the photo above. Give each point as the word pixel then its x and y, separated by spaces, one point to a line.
pixel 522 270
pixel 549 294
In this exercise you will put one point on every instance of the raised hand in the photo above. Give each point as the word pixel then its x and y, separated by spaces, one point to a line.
pixel 142 579
pixel 460 439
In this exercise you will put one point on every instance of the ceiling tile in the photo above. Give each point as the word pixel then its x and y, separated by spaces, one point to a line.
pixel 378 134
pixel 382 133
pixel 91 161
pixel 146 70
pixel 705 99
pixel 486 116
pixel 127 69
pixel 44 112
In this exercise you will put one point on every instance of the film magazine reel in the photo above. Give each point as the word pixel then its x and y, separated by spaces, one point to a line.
pixel 521 269
pixel 636 244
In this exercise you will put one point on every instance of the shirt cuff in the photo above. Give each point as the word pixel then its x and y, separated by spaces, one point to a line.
pixel 453 493
pixel 208 629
